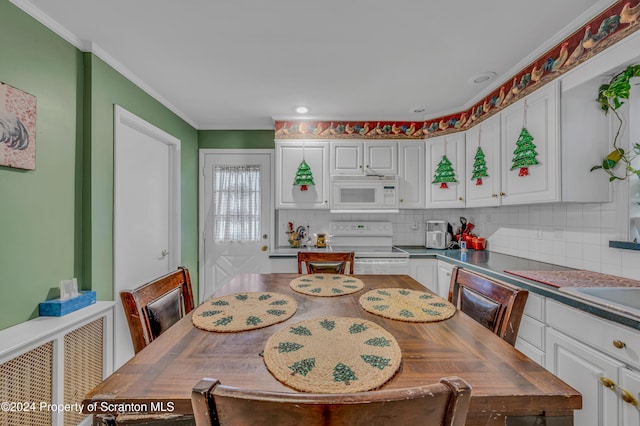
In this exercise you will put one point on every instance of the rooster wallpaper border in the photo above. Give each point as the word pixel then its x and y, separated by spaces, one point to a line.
pixel 614 24
pixel 17 128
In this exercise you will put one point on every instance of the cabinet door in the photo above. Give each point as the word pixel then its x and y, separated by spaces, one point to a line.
pixel 630 382
pixel 289 155
pixel 450 194
pixel 483 190
pixel 347 158
pixel 411 177
pixel 425 272
pixel 381 157
pixel 444 279
pixel 583 368
pixel 542 183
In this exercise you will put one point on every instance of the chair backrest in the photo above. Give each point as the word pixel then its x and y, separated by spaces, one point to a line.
pixel 325 262
pixel 495 304
pixel 444 403
pixel 155 306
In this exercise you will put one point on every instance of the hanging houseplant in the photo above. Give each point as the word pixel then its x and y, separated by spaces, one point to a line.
pixel 611 96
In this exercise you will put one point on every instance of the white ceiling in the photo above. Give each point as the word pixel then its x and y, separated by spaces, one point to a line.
pixel 239 64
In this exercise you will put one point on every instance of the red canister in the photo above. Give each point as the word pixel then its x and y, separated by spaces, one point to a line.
pixel 479 243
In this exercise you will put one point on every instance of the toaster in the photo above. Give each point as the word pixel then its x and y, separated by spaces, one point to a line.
pixel 436 236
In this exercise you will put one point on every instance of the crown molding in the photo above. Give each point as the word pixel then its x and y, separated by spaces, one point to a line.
pixel 91 47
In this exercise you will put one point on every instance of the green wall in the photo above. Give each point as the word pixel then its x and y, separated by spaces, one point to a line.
pixel 236 139
pixel 56 221
pixel 39 215
pixel 104 88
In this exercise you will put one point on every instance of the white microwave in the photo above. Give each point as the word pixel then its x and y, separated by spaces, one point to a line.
pixel 370 194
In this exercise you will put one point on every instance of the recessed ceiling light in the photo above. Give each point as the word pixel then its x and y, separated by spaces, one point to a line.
pixel 302 110
pixel 482 77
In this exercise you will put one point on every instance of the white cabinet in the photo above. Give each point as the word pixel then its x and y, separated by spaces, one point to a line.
pixel 289 155
pixel 411 176
pixel 597 357
pixel 485 136
pixel 444 278
pixel 531 339
pixel 630 383
pixel 541 182
pixel 364 157
pixel 425 271
pixel 450 194
pixel 585 369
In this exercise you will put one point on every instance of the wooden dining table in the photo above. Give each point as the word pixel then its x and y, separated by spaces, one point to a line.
pixel 507 387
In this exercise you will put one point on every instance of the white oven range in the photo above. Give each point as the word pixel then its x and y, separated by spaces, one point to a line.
pixel 372 243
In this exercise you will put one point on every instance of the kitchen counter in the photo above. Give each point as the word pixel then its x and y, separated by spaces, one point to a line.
pixel 495 264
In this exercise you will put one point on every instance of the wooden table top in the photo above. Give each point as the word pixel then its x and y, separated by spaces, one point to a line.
pixel 503 380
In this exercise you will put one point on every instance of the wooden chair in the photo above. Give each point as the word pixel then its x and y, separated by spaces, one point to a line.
pixel 445 403
pixel 325 262
pixel 495 304
pixel 155 306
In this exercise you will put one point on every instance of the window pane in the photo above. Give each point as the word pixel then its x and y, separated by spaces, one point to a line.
pixel 237 203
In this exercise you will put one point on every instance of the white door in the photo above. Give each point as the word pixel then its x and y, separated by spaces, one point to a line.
pixel 146 235
pixel 235 215
pixel 411 174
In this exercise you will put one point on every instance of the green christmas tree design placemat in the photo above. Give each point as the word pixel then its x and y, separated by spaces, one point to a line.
pixel 333 355
pixel 326 284
pixel 406 305
pixel 243 311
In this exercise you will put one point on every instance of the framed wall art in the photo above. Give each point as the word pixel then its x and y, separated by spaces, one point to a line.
pixel 17 128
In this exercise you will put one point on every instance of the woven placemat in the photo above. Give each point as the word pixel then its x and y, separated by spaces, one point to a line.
pixel 406 305
pixel 333 355
pixel 326 285
pixel 243 311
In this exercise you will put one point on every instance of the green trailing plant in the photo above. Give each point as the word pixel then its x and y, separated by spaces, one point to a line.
pixel 612 96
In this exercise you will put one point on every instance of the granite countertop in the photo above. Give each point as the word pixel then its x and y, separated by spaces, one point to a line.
pixel 495 265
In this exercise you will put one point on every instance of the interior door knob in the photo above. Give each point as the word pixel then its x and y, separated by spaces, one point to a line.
pixel 165 252
pixel 264 248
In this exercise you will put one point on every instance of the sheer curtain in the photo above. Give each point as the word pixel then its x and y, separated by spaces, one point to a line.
pixel 237 203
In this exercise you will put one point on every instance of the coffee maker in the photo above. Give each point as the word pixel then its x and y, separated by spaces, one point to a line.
pixel 436 235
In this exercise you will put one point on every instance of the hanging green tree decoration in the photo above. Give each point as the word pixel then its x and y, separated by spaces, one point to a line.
pixel 479 167
pixel 304 176
pixel 525 153
pixel 444 173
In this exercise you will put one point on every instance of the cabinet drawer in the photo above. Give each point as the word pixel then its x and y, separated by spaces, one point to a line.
pixel 532 331
pixel 596 332
pixel 529 350
pixel 535 306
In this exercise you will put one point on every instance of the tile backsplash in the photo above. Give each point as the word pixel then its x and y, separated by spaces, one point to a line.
pixel 568 234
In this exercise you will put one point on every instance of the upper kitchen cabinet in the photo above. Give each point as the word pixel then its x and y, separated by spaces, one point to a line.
pixel 531 148
pixel 289 156
pixel 446 171
pixel 483 164
pixel 411 175
pixel 354 157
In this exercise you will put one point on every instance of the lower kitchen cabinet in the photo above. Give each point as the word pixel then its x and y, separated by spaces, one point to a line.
pixel 630 382
pixel 532 332
pixel 599 359
pixel 444 278
pixel 284 265
pixel 586 370
pixel 425 272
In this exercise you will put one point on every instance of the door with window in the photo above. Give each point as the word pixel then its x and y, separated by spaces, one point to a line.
pixel 235 215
